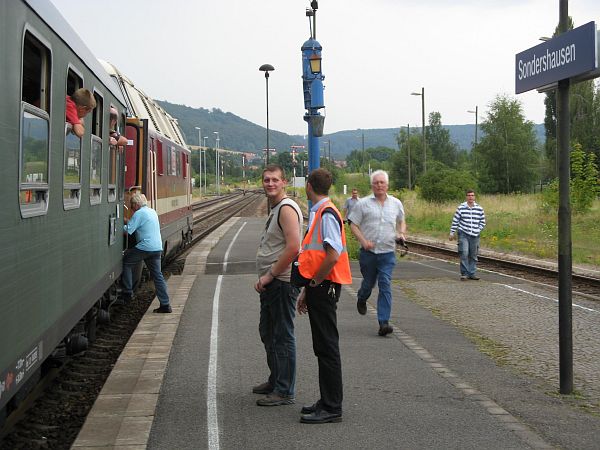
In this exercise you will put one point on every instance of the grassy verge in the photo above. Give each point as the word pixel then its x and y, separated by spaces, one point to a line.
pixel 515 224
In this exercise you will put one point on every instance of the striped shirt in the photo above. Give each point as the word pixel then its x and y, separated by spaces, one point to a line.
pixel 469 220
pixel 378 222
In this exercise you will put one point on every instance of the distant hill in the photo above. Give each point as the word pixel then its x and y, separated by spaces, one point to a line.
pixel 240 134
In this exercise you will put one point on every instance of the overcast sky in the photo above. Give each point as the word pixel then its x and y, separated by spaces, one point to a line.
pixel 375 53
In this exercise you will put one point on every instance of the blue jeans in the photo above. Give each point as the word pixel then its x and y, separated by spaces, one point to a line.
pixel 276 328
pixel 377 267
pixel 132 258
pixel 468 246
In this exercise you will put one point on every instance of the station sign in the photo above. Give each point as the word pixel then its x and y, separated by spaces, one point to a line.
pixel 573 54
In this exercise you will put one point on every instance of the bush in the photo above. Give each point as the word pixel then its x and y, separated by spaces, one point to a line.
pixel 584 186
pixel 441 184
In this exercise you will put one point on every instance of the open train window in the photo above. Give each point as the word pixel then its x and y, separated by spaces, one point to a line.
pixel 114 158
pixel 96 171
pixel 35 127
pixel 98 115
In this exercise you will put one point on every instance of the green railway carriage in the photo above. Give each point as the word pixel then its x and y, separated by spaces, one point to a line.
pixel 61 197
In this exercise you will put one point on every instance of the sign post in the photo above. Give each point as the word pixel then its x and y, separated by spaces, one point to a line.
pixel 570 57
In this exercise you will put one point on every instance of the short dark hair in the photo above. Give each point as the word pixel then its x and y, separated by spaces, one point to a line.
pixel 469 191
pixel 274 168
pixel 320 180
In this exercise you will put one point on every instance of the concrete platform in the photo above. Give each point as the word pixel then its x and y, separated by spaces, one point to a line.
pixel 184 380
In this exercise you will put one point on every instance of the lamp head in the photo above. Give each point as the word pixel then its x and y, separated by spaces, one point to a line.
pixel 266 68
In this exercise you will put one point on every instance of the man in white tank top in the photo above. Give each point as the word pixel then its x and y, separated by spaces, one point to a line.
pixel 279 245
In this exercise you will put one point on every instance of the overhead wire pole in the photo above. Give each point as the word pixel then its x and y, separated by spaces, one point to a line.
pixel 422 94
pixel 408 155
pixel 565 263
pixel 199 159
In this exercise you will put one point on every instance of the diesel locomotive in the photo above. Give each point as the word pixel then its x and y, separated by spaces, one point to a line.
pixel 64 197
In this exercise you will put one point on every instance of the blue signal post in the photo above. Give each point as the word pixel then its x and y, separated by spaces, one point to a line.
pixel 312 83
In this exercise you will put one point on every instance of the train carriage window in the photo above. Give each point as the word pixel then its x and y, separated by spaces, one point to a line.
pixel 178 163
pixel 96 151
pixel 114 161
pixel 112 173
pixel 184 165
pixel 35 128
pixel 72 170
pixel 98 115
pixel 72 153
pixel 96 171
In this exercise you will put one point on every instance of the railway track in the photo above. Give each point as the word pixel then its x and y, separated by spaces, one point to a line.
pixel 55 411
pixel 585 283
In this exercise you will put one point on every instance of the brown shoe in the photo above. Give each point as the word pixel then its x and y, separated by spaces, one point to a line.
pixel 275 400
pixel 264 388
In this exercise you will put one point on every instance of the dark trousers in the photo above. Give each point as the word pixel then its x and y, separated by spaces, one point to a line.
pixel 276 328
pixel 323 325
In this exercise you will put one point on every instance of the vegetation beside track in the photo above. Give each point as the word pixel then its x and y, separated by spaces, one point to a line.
pixel 515 224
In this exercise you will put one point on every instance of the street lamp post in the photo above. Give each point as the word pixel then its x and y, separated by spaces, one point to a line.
pixel 476 118
pixel 422 94
pixel 217 178
pixel 312 87
pixel 266 68
pixel 199 159
pixel 204 151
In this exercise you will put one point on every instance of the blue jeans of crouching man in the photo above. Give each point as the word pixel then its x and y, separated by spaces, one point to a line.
pixel 468 246
pixel 132 258
pixel 377 267
pixel 276 328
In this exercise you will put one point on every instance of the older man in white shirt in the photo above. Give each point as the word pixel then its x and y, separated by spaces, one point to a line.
pixel 377 221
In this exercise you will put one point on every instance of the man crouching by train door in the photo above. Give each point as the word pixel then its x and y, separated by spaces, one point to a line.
pixel 324 261
pixel 279 245
pixel 144 223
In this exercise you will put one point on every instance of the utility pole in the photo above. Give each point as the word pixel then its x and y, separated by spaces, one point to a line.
pixel 408 153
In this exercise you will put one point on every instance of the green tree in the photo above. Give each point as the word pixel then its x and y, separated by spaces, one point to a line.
pixel 442 183
pixel 507 158
pixel 439 145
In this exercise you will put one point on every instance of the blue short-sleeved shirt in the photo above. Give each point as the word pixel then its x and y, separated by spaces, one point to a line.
pixel 330 227
pixel 145 224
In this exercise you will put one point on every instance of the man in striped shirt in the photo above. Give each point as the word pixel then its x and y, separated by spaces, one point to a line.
pixel 469 220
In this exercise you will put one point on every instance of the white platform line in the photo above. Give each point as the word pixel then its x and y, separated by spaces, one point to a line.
pixel 230 246
pixel 212 419
pixel 547 298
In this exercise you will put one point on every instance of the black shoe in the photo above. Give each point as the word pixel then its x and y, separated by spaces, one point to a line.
pixel 321 416
pixel 361 306
pixel 474 277
pixel 309 409
pixel 264 388
pixel 163 309
pixel 385 329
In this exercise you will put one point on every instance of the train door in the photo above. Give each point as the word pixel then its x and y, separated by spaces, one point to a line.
pixel 152 167
pixel 133 160
pixel 188 179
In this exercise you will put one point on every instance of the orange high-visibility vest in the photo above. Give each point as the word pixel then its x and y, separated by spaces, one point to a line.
pixel 313 253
